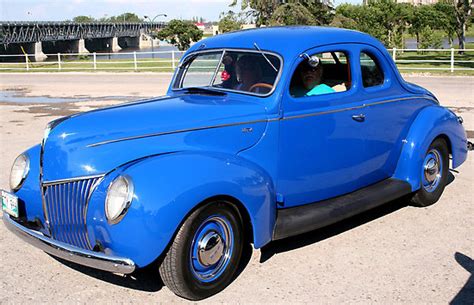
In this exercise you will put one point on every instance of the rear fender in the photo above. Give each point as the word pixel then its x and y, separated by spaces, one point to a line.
pixel 430 123
pixel 167 189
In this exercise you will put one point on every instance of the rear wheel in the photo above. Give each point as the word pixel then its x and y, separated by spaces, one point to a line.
pixel 205 253
pixel 434 174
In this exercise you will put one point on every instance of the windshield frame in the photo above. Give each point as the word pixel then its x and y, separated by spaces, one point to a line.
pixel 180 72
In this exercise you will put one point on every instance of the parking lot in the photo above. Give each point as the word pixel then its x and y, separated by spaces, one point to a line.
pixel 393 254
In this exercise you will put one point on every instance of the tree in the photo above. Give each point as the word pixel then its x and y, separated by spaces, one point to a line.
pixel 322 11
pixel 229 22
pixel 424 20
pixel 83 19
pixel 448 21
pixel 262 11
pixel 383 19
pixel 180 33
pixel 462 12
pixel 125 17
pixel 292 14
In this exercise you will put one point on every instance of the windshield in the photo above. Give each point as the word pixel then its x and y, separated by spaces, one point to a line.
pixel 250 72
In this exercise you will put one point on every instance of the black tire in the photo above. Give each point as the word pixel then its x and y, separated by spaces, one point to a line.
pixel 423 197
pixel 176 269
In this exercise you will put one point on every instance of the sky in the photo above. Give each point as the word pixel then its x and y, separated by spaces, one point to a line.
pixel 57 10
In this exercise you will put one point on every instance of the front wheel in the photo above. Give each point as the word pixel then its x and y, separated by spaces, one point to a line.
pixel 205 253
pixel 434 174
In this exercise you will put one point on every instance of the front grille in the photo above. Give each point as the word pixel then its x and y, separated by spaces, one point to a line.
pixel 66 205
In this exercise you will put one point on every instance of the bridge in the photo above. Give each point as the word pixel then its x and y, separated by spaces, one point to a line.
pixel 68 37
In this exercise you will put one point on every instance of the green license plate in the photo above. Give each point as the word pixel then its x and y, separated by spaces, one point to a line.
pixel 10 204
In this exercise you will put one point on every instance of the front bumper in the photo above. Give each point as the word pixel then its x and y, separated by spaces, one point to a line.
pixel 70 253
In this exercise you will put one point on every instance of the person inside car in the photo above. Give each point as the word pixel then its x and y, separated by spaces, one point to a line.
pixel 311 75
pixel 248 73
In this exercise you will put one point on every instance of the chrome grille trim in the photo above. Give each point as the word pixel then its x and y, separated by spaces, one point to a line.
pixel 66 205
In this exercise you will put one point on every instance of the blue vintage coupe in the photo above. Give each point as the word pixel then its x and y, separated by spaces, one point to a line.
pixel 263 134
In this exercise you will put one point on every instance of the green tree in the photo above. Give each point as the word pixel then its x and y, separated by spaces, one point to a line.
pixel 424 20
pixel 180 33
pixel 292 14
pixel 229 22
pixel 259 10
pixel 125 17
pixel 463 14
pixel 430 38
pixel 448 21
pixel 83 19
pixel 322 11
pixel 383 19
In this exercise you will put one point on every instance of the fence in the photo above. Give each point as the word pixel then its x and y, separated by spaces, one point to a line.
pixel 448 60
pixel 161 61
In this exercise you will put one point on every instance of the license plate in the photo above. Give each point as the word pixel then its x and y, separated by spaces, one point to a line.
pixel 10 204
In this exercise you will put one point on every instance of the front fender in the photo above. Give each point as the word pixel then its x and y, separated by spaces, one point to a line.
pixel 430 123
pixel 167 188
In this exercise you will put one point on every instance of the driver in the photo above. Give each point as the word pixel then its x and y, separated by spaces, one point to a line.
pixel 248 72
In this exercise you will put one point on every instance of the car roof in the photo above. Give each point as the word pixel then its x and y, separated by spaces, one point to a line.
pixel 288 41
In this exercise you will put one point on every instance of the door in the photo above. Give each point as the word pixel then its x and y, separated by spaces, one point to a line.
pixel 322 150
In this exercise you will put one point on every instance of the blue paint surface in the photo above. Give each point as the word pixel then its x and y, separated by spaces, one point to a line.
pixel 182 149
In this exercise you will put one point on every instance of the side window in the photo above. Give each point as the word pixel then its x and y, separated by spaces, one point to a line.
pixel 321 73
pixel 372 73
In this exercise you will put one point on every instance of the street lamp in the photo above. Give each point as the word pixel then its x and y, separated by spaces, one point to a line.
pixel 151 21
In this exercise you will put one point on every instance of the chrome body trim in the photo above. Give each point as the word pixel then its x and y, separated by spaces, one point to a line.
pixel 175 131
pixel 67 180
pixel 257 121
pixel 70 253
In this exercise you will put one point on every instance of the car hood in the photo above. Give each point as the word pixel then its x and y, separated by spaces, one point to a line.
pixel 96 142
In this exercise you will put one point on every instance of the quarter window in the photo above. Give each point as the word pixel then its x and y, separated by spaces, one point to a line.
pixel 372 73
pixel 321 73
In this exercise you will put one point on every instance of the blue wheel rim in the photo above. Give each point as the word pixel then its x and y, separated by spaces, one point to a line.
pixel 432 171
pixel 211 248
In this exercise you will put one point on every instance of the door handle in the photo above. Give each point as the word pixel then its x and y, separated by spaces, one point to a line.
pixel 358 117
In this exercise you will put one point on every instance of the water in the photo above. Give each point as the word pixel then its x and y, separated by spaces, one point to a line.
pixel 411 43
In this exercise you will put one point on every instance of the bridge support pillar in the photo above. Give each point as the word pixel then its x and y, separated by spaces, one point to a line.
pixel 38 52
pixel 33 49
pixel 115 44
pixel 81 47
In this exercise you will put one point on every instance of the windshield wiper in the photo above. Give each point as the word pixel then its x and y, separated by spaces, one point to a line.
pixel 204 90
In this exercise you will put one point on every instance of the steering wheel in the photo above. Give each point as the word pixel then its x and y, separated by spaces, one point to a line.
pixel 260 85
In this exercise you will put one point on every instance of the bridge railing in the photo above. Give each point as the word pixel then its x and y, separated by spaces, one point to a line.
pixel 407 60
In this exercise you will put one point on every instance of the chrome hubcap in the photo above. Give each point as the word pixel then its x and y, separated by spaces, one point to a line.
pixel 211 248
pixel 432 170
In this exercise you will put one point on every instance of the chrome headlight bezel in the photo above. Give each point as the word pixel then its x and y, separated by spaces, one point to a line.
pixel 125 199
pixel 22 171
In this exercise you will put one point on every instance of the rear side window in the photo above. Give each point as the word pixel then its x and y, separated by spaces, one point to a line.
pixel 372 73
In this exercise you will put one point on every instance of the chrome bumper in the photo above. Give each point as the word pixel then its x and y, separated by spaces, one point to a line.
pixel 70 253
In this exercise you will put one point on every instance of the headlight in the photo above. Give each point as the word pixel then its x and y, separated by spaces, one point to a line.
pixel 19 171
pixel 119 198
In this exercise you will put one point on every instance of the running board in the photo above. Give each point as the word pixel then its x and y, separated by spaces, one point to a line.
pixel 296 220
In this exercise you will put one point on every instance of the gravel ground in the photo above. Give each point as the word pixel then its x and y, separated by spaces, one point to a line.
pixel 393 254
